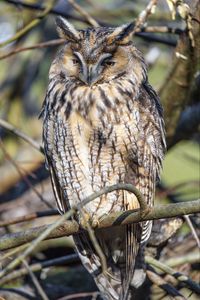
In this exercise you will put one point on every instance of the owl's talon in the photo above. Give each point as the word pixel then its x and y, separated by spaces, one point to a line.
pixel 95 222
pixel 84 220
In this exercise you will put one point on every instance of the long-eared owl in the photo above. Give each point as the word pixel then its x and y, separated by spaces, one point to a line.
pixel 103 125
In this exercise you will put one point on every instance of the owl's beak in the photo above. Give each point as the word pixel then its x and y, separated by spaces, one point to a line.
pixel 89 74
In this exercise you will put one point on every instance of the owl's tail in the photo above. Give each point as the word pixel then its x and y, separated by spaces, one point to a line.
pixel 120 248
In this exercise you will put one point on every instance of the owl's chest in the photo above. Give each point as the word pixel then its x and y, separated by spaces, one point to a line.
pixel 115 130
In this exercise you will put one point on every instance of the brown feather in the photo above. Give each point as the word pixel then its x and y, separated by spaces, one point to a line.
pixel 103 125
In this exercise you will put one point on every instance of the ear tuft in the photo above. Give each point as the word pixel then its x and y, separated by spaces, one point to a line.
pixel 122 34
pixel 66 30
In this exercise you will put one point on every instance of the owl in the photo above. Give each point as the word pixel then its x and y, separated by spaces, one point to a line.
pixel 103 125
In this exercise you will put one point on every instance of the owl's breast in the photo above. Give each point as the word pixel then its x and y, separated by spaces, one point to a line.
pixel 98 156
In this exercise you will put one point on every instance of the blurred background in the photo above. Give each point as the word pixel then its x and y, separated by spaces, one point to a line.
pixel 25 187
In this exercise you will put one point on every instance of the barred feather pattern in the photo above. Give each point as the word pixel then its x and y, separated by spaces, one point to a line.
pixel 95 136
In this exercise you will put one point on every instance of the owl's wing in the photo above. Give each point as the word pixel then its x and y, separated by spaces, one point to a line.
pixel 50 149
pixel 61 203
pixel 150 155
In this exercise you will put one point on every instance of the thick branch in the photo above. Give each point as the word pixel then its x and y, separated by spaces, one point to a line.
pixel 121 218
pixel 176 92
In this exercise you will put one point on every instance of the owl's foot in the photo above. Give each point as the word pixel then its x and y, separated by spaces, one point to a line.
pixel 87 219
pixel 84 219
pixel 95 222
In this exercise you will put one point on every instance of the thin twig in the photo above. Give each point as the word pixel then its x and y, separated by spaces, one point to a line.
pixel 35 281
pixel 191 258
pixel 187 218
pixel 179 276
pixel 33 47
pixel 29 217
pixel 55 11
pixel 79 295
pixel 20 134
pixel 161 283
pixel 40 266
pixel 12 252
pixel 35 243
pixel 84 13
pixel 161 29
pixel 52 43
pixel 144 15
pixel 23 176
pixel 30 25
pixel 145 35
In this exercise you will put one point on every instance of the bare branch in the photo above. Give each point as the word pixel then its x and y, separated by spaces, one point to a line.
pixel 179 82
pixel 193 257
pixel 29 217
pixel 80 295
pixel 30 25
pixel 180 276
pixel 145 31
pixel 144 14
pixel 33 47
pixel 35 281
pixel 160 282
pixel 22 135
pixel 23 176
pixel 187 218
pixel 52 43
pixel 121 218
pixel 84 13
pixel 39 266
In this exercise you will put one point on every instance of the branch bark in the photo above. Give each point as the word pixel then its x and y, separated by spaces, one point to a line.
pixel 30 25
pixel 176 91
pixel 121 218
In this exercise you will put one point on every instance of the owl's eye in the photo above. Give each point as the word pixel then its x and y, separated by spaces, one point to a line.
pixel 107 63
pixel 75 61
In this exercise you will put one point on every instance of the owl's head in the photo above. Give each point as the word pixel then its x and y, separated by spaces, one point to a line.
pixel 97 55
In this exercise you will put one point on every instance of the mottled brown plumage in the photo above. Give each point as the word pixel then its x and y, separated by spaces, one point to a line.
pixel 103 125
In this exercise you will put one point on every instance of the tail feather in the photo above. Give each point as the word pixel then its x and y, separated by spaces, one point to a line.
pixel 120 253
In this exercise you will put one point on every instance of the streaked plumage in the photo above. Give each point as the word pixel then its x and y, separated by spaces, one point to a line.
pixel 103 125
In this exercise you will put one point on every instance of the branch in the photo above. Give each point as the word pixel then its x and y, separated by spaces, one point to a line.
pixel 30 25
pixel 121 218
pixel 22 135
pixel 35 46
pixel 29 217
pixel 161 283
pixel 176 92
pixel 178 275
pixel 145 31
pixel 39 266
pixel 45 232
pixel 35 281
pixel 85 295
pixel 84 14
pixel 190 258
pixel 34 6
pixel 23 175
pixel 144 14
